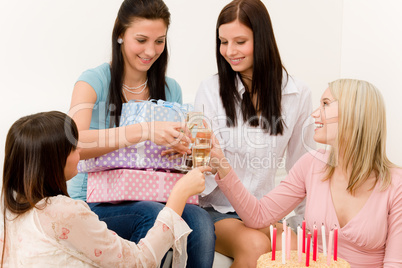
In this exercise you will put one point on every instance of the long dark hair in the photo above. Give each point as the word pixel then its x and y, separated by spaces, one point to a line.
pixel 36 151
pixel 129 10
pixel 267 69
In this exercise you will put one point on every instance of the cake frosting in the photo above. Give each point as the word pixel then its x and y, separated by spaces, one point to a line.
pixel 265 261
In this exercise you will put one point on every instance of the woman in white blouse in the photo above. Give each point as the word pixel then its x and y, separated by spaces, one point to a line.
pixel 257 112
pixel 43 227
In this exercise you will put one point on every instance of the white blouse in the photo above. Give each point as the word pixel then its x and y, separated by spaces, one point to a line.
pixel 254 154
pixel 66 233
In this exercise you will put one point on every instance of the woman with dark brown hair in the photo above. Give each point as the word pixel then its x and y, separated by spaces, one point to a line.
pixel 137 71
pixel 257 111
pixel 43 227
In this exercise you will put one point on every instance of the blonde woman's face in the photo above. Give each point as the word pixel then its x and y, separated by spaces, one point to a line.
pixel 326 119
pixel 237 46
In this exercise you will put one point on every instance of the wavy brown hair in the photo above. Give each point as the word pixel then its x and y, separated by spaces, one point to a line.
pixel 36 151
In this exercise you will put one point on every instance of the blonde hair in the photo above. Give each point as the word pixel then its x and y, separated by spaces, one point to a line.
pixel 361 133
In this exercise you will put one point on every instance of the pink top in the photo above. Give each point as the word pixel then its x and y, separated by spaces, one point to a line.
pixel 373 238
pixel 66 233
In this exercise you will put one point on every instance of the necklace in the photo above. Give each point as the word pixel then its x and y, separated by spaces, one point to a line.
pixel 125 87
pixel 129 89
pixel 125 97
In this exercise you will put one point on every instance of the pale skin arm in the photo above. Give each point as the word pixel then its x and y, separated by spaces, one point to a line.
pixel 94 143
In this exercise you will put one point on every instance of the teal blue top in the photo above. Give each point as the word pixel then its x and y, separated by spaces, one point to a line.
pixel 99 79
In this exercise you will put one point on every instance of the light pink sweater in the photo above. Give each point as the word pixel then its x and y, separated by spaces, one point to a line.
pixel 373 238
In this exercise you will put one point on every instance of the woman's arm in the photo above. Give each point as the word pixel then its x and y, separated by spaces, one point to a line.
pixel 98 142
pixel 273 206
pixel 191 184
pixel 76 230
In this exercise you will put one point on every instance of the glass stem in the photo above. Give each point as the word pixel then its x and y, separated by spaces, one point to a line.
pixel 183 159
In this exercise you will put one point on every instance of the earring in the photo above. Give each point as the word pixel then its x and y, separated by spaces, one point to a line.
pixel 120 41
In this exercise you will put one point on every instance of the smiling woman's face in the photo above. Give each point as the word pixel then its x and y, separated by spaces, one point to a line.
pixel 143 43
pixel 237 46
pixel 326 119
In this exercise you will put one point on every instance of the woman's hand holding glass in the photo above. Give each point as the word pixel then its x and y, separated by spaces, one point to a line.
pixel 218 161
pixel 191 184
pixel 193 121
pixel 170 134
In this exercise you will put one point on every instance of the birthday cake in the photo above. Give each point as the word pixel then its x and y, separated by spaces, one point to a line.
pixel 265 261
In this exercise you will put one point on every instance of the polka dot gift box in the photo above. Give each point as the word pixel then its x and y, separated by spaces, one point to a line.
pixel 144 155
pixel 129 184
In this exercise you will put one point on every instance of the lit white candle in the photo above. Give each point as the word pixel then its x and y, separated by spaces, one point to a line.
pixel 283 247
pixel 324 242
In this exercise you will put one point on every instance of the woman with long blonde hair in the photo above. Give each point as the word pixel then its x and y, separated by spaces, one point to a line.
pixel 353 186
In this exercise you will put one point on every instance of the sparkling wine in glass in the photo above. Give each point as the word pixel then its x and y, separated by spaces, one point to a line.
pixel 201 150
pixel 193 122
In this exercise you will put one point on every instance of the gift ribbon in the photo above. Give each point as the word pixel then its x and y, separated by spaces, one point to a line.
pixel 134 118
pixel 161 183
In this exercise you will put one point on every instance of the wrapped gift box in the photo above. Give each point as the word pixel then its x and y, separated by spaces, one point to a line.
pixel 129 184
pixel 143 155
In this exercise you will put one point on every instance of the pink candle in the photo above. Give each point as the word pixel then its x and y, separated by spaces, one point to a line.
pixel 308 250
pixel 288 241
pixel 273 238
pixel 335 244
pixel 331 236
pixel 315 244
pixel 299 243
pixel 304 237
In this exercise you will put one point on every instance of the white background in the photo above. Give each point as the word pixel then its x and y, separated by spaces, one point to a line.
pixel 46 44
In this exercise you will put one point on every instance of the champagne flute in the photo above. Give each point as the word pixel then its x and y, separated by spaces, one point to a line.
pixel 193 122
pixel 201 149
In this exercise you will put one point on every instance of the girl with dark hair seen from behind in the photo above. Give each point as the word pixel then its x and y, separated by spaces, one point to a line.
pixel 43 227
pixel 266 111
pixel 136 72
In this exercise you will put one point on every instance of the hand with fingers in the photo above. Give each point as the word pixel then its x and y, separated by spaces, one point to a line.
pixel 190 184
pixel 173 153
pixel 218 161
pixel 194 181
pixel 170 134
